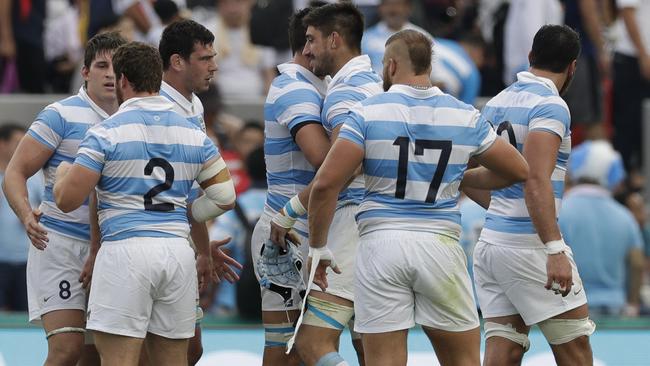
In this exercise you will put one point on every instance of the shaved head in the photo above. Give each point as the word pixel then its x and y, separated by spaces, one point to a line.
pixel 407 52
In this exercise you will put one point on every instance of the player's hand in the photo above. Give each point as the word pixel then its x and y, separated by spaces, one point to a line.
pixel 320 276
pixel 280 235
pixel 224 265
pixel 203 271
pixel 86 275
pixel 35 232
pixel 559 274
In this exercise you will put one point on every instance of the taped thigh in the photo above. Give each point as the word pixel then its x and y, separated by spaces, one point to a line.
pixel 559 331
pixel 277 335
pixel 506 331
pixel 64 330
pixel 326 314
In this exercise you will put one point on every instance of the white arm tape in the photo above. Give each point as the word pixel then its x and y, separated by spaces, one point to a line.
pixel 292 210
pixel 204 209
pixel 555 247
pixel 212 170
pixel 322 254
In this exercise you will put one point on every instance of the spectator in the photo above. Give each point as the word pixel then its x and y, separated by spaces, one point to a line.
pixel 249 138
pixel 168 12
pixel 14 243
pixel 251 205
pixel 63 50
pixel 602 252
pixel 631 78
pixel 584 97
pixel 22 24
pixel 246 70
pixel 524 19
pixel 456 67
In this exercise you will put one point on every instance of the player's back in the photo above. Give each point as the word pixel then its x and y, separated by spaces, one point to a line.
pixel 294 99
pixel 417 144
pixel 149 156
pixel 61 126
pixel 530 104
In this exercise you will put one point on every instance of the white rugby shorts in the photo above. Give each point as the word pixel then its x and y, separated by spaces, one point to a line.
pixel 144 285
pixel 511 281
pixel 405 277
pixel 53 275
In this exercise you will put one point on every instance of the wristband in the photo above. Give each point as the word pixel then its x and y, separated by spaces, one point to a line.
pixel 555 247
pixel 294 207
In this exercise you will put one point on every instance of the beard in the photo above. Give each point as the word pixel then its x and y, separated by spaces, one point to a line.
pixel 387 81
pixel 567 84
pixel 324 67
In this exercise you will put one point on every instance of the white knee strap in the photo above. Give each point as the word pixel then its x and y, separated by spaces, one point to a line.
pixel 508 332
pixel 560 331
pixel 64 330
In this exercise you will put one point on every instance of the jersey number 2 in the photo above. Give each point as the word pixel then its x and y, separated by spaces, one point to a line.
pixel 402 164
pixel 169 180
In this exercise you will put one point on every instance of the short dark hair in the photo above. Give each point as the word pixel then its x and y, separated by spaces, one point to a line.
pixel 102 42
pixel 7 130
pixel 419 47
pixel 165 9
pixel 297 28
pixel 180 38
pixel 555 47
pixel 343 18
pixel 141 65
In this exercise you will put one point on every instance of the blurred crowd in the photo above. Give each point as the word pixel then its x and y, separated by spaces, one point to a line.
pixel 480 45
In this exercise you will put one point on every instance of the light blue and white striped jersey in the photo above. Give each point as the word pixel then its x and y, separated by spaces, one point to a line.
pixel 148 157
pixel 61 127
pixel 456 70
pixel 193 111
pixel 353 83
pixel 416 147
pixel 295 99
pixel 532 103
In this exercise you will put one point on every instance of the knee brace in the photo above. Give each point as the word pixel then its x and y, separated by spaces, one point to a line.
pixel 64 330
pixel 331 359
pixel 325 314
pixel 277 335
pixel 507 332
pixel 559 331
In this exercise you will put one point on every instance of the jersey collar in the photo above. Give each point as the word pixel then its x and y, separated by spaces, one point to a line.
pixel 529 77
pixel 293 68
pixel 178 98
pixel 354 66
pixel 415 93
pixel 152 103
pixel 84 95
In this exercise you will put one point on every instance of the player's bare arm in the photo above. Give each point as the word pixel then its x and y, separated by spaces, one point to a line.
pixel 30 156
pixel 219 190
pixel 339 166
pixel 73 186
pixel 540 151
pixel 95 242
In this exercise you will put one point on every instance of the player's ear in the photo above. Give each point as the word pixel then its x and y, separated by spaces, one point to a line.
pixel 84 72
pixel 335 40
pixel 176 62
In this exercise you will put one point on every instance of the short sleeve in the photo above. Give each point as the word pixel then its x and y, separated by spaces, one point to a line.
pixel 209 149
pixel 337 105
pixel 298 106
pixel 93 150
pixel 354 127
pixel 48 128
pixel 483 132
pixel 551 117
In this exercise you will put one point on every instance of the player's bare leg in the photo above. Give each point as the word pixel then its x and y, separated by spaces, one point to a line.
pixel 385 349
pixel 195 347
pixel 358 348
pixel 64 348
pixel 456 348
pixel 90 356
pixel 275 355
pixel 164 351
pixel 577 351
pixel 314 342
pixel 501 351
pixel 116 350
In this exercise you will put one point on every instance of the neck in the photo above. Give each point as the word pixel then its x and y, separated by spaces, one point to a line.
pixel 301 60
pixel 109 106
pixel 395 28
pixel 343 59
pixel 176 82
pixel 557 79
pixel 416 81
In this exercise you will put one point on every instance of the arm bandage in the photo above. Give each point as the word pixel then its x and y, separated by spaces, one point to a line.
pixel 288 216
pixel 216 194
pixel 555 247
